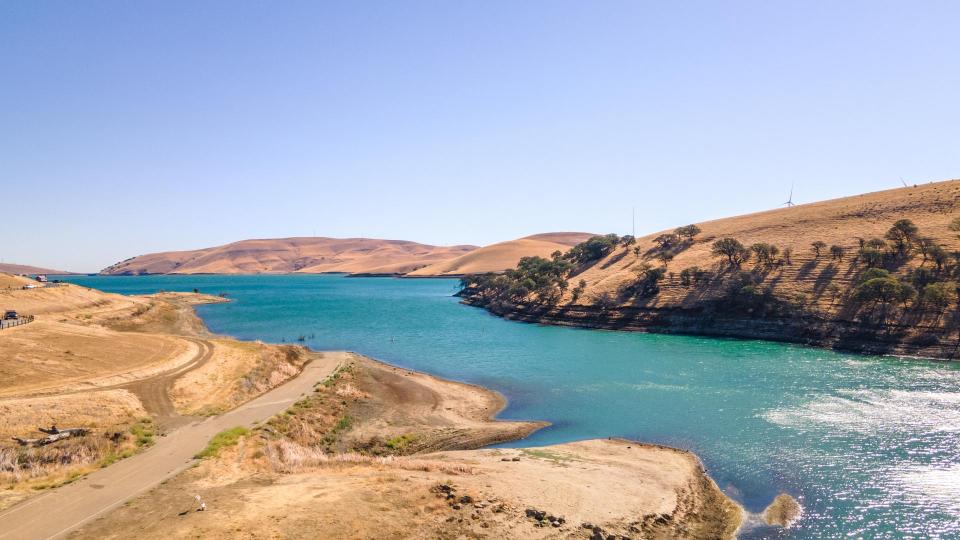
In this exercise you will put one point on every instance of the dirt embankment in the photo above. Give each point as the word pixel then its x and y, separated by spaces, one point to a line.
pixel 905 338
pixel 111 364
pixel 371 454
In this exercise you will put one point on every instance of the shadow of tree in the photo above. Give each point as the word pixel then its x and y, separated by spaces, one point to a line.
pixel 615 259
pixel 806 268
pixel 825 278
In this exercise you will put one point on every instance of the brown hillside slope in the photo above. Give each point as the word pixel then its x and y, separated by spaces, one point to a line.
pixel 807 299
pixel 9 268
pixel 283 255
pixel 503 255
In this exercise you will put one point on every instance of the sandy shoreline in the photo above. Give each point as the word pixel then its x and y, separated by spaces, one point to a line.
pixel 372 485
pixel 371 427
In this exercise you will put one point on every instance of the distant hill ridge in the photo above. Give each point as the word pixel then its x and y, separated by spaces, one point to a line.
pixel 503 255
pixel 285 255
pixel 356 256
pixel 9 268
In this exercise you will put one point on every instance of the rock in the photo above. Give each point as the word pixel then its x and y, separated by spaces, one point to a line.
pixel 587 525
pixel 783 511
pixel 466 499
pixel 505 459
pixel 455 506
pixel 516 459
pixel 538 515
pixel 555 523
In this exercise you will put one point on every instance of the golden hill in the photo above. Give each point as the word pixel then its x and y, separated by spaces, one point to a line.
pixel 503 255
pixel 8 268
pixel 835 222
pixel 284 255
pixel 797 295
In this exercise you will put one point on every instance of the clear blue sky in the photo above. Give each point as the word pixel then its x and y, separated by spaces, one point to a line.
pixel 131 127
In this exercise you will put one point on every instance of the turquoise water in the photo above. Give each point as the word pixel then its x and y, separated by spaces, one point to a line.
pixel 871 446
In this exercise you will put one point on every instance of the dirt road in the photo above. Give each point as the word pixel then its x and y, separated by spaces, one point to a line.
pixel 57 512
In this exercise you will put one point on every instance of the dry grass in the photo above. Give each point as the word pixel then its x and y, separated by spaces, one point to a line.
pixel 310 255
pixel 501 256
pixel 836 222
pixel 289 457
pixel 237 372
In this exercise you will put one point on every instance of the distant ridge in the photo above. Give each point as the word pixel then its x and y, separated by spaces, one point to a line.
pixel 503 255
pixel 312 255
pixel 8 268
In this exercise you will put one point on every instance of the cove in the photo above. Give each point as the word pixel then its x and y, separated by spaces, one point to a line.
pixel 869 445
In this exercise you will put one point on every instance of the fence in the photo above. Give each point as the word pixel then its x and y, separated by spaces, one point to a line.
pixel 16 322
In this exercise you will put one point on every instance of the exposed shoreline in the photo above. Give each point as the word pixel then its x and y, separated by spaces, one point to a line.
pixel 841 336
pixel 416 418
pixel 637 488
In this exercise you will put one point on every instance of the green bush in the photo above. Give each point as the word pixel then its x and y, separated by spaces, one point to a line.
pixel 224 439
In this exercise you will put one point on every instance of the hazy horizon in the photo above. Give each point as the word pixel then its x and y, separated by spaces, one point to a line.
pixel 136 128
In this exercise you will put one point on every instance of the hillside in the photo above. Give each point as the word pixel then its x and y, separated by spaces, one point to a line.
pixel 13 281
pixel 284 255
pixel 26 269
pixel 905 303
pixel 503 255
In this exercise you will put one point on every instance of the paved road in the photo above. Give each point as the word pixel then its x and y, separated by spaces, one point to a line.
pixel 58 511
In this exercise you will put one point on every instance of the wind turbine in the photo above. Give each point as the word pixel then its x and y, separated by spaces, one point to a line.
pixel 902 181
pixel 789 199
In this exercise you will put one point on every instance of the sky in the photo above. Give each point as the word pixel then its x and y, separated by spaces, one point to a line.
pixel 133 127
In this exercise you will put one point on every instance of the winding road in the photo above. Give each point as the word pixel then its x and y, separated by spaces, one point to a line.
pixel 61 510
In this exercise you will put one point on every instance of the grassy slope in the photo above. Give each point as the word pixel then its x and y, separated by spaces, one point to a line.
pixel 503 255
pixel 9 268
pixel 282 255
pixel 821 283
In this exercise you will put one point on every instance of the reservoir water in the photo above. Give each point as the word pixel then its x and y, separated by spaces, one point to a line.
pixel 869 445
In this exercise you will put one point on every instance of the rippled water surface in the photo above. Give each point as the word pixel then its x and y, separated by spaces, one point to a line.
pixel 870 446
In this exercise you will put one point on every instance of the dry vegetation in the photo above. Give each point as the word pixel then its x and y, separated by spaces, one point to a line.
pixel 283 255
pixel 368 454
pixel 107 363
pixel 503 255
pixel 875 272
pixel 237 372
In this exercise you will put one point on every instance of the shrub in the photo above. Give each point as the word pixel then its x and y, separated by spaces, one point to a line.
pixel 921 277
pixel 578 290
pixel 955 226
pixel 902 234
pixel 667 240
pixel 690 276
pixel 665 256
pixel 872 257
pixel 648 279
pixel 818 246
pixel 937 294
pixel 765 252
pixel 883 290
pixel 732 249
pixel 225 438
pixel 939 256
pixel 687 231
pixel 592 249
